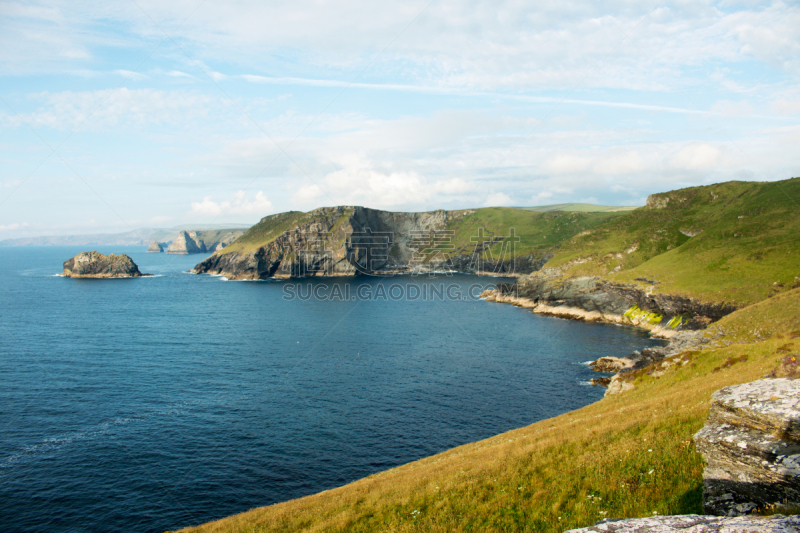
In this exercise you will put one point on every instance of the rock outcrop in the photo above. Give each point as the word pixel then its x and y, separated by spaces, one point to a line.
pixel 155 248
pixel 96 265
pixel 751 444
pixel 692 523
pixel 186 243
pixel 347 240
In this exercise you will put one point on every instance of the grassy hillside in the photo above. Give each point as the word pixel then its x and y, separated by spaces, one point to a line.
pixel 735 241
pixel 580 208
pixel 625 456
pixel 537 232
pixel 264 232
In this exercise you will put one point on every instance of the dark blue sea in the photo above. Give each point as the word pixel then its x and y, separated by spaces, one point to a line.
pixel 156 403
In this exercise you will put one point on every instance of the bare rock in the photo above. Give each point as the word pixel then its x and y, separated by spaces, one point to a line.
pixel 693 523
pixel 751 444
pixel 96 265
pixel 186 243
pixel 155 248
pixel 609 364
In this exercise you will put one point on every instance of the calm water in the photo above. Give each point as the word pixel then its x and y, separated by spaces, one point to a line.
pixel 156 403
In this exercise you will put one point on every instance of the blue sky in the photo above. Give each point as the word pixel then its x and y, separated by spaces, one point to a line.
pixel 119 115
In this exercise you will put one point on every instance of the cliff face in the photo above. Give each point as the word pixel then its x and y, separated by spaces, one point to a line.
pixel 155 248
pixel 186 243
pixel 592 294
pixel 97 265
pixel 345 241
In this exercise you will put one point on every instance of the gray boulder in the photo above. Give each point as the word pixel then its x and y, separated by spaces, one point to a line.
pixel 751 444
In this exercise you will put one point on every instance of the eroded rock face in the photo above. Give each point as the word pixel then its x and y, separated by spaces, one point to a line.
pixel 751 444
pixel 186 243
pixel 155 248
pixel 693 523
pixel 96 265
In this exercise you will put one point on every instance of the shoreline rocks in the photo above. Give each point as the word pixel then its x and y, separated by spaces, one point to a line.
pixel 751 444
pixel 96 265
pixel 155 248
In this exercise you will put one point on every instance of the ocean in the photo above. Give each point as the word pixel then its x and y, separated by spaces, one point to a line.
pixel 161 402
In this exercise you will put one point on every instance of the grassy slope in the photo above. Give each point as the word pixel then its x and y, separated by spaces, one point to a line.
pixel 624 456
pixel 749 241
pixel 582 208
pixel 264 232
pixel 537 232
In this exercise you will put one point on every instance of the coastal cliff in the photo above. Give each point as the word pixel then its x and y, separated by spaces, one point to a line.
pixel 97 265
pixel 351 240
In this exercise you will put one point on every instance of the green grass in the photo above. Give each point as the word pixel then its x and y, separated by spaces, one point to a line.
pixel 264 232
pixel 748 249
pixel 537 232
pixel 629 455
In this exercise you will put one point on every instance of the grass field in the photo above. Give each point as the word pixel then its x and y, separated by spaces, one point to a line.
pixel 629 455
pixel 736 241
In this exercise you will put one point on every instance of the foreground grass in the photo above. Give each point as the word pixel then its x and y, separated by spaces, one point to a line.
pixel 630 455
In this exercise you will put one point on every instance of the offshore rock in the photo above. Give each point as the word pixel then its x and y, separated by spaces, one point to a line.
pixel 692 523
pixel 186 243
pixel 155 248
pixel 96 265
pixel 751 444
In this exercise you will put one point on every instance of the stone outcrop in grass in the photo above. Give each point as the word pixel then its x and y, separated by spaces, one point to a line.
pixel 96 265
pixel 751 443
pixel 693 523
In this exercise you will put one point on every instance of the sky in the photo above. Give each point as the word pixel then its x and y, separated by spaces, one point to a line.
pixel 140 113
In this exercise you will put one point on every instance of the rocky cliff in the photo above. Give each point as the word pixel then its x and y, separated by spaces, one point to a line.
pixel 347 240
pixel 96 265
pixel 186 243
pixel 155 248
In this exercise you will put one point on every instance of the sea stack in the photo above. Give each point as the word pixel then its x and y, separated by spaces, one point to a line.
pixel 155 248
pixel 96 265
pixel 185 243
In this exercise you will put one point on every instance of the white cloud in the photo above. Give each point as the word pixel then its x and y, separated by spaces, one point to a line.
pixel 238 205
pixel 696 156
pixel 495 199
pixel 14 226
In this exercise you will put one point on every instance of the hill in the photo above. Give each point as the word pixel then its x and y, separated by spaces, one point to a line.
pixel 735 242
pixel 137 237
pixel 629 455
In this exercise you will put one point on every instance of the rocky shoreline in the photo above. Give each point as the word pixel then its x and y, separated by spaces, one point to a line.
pixel 677 319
